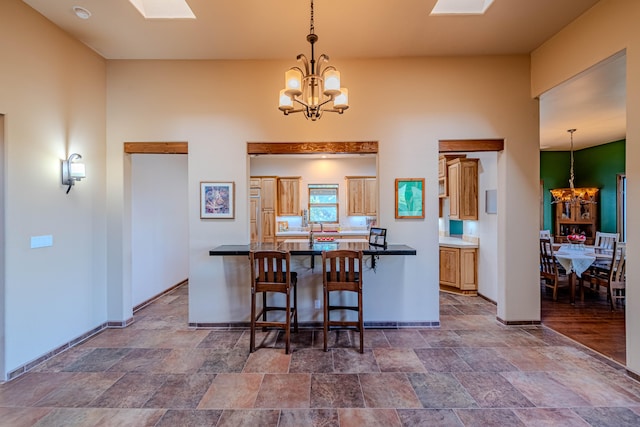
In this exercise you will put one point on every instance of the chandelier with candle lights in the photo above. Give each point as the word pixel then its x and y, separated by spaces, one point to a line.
pixel 573 195
pixel 315 89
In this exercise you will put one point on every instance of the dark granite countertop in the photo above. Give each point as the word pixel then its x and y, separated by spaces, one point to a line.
pixel 303 248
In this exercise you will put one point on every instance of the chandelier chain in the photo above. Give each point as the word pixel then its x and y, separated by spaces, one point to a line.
pixel 571 174
pixel 311 26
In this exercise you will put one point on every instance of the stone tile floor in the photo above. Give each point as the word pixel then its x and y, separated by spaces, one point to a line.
pixel 472 371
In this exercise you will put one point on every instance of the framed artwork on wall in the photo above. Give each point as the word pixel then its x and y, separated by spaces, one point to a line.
pixel 217 200
pixel 409 198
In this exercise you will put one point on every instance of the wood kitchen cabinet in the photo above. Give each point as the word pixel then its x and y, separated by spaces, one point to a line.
pixel 458 270
pixel 268 193
pixel 443 172
pixel 289 196
pixel 254 214
pixel 262 203
pixel 462 174
pixel 268 209
pixel 362 195
pixel 268 223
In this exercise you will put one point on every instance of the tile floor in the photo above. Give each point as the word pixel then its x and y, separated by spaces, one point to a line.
pixel 472 371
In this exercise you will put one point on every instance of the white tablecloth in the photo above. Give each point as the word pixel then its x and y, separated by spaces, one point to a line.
pixel 575 260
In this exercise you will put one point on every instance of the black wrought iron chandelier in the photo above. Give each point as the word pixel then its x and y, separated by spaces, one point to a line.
pixel 315 89
pixel 573 195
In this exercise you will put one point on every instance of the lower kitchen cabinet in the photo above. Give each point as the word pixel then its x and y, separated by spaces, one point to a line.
pixel 459 270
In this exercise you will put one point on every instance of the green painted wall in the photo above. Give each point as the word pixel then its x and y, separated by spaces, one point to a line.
pixel 554 173
pixel 590 171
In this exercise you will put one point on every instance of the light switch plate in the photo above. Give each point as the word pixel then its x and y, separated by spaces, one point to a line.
pixel 41 241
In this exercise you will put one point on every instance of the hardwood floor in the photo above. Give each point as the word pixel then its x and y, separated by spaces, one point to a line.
pixel 589 322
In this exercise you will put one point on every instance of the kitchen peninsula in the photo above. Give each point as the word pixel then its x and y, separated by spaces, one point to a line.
pixel 328 205
pixel 380 270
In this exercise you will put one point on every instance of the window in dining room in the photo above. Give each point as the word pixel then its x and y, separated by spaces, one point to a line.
pixel 323 203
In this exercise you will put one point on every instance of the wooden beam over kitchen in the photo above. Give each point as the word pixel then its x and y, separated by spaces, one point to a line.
pixel 470 145
pixel 366 147
pixel 156 148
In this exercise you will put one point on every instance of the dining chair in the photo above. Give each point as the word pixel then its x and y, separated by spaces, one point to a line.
pixel 605 240
pixel 271 275
pixel 342 272
pixel 613 278
pixel 546 234
pixel 549 272
pixel 617 277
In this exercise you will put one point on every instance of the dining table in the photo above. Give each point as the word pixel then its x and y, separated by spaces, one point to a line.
pixel 577 258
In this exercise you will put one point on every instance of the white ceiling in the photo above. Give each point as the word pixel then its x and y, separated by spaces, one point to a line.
pixel 276 29
pixel 593 103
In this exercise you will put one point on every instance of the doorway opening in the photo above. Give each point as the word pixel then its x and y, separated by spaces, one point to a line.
pixel 594 103
pixel 159 219
pixel 477 267
pixel 280 175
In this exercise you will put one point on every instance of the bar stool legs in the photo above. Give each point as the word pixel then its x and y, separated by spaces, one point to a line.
pixel 271 274
pixel 341 272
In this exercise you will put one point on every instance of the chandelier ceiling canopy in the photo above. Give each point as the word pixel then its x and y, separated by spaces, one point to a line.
pixel 573 195
pixel 315 89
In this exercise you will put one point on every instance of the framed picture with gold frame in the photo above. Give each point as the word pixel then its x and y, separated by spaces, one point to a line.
pixel 409 198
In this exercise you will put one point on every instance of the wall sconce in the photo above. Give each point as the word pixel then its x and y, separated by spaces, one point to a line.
pixel 72 170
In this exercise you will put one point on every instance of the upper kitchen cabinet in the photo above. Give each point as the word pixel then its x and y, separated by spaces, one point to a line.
pixel 255 182
pixel 362 196
pixel 463 188
pixel 289 196
pixel 268 193
pixel 443 187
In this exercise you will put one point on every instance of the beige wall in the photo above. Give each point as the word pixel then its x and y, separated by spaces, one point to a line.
pixel 55 95
pixel 406 104
pixel 607 28
pixel 52 93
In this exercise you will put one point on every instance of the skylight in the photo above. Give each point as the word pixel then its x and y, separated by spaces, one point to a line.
pixel 461 7
pixel 163 9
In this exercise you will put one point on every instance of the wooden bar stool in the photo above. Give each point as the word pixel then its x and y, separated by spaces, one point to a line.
pixel 342 271
pixel 271 274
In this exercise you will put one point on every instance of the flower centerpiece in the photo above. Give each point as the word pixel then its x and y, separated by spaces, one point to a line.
pixel 576 238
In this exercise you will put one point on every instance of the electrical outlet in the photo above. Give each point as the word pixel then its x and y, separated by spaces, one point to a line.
pixel 317 304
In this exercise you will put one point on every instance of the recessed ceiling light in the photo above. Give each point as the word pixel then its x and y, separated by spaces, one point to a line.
pixel 461 7
pixel 81 12
pixel 163 9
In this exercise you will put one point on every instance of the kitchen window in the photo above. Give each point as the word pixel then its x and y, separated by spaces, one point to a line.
pixel 323 203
